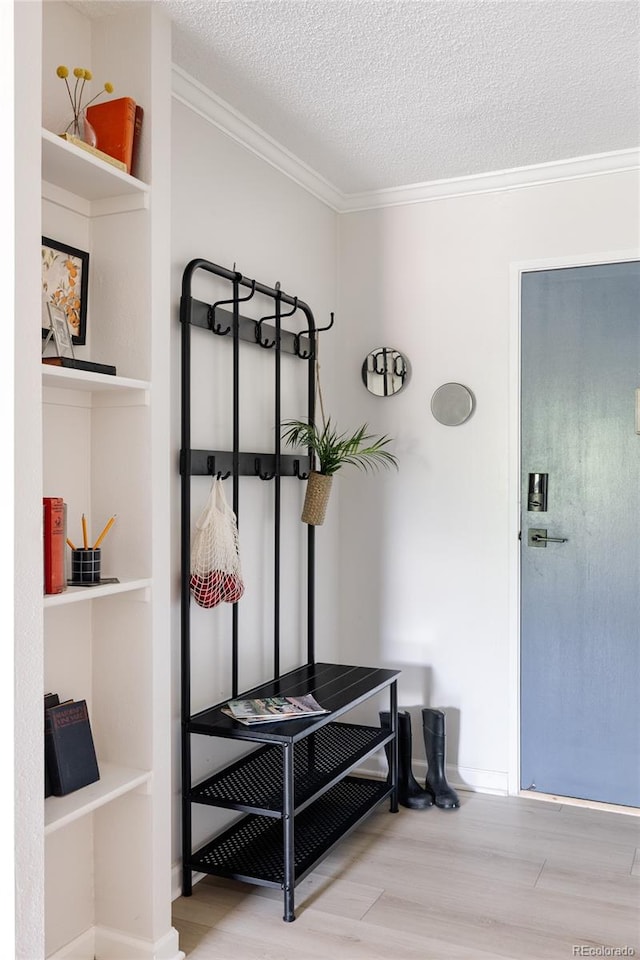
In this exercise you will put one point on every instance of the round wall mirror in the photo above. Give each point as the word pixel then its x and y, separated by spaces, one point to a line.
pixel 385 371
pixel 452 404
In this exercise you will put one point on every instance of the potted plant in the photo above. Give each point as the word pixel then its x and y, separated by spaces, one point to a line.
pixel 330 451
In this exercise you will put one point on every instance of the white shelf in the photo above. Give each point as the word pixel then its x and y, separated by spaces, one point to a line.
pixel 114 782
pixel 87 380
pixel 78 172
pixel 80 594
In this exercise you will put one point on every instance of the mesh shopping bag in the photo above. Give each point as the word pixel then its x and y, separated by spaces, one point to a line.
pixel 215 561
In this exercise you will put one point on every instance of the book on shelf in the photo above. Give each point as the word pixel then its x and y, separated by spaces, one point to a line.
pixel 270 709
pixel 50 700
pixel 77 142
pixel 114 123
pixel 137 133
pixel 75 364
pixel 69 750
pixel 54 539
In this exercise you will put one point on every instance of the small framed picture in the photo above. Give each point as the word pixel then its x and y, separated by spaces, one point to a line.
pixel 65 284
pixel 60 331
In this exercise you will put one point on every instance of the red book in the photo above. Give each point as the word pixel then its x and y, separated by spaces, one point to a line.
pixel 54 543
pixel 114 124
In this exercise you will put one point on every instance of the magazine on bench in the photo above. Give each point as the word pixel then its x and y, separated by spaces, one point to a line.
pixel 269 709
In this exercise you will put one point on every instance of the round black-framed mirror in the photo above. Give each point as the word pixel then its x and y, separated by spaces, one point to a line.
pixel 385 371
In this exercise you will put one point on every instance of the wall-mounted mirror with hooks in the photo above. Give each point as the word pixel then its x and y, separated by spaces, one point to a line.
pixel 385 371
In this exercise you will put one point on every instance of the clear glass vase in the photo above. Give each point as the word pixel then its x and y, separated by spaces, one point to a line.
pixel 82 129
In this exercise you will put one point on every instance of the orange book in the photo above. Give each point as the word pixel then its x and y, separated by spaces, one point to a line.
pixel 54 544
pixel 114 124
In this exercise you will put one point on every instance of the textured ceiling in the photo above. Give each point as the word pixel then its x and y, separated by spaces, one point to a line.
pixel 382 94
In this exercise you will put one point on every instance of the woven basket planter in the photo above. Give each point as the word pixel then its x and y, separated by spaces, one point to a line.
pixel 316 498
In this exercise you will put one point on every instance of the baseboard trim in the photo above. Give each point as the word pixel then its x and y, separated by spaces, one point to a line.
pixel 82 948
pixel 104 942
pixel 468 779
pixel 176 879
pixel 577 802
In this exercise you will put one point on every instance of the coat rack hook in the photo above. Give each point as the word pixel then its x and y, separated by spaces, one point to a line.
pixel 251 292
pixel 211 313
pixel 265 343
pixel 291 312
pixel 296 471
pixel 322 329
pixel 259 472
pixel 211 470
pixel 303 354
pixel 307 333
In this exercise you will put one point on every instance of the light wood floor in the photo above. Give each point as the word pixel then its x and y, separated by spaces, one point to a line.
pixel 501 877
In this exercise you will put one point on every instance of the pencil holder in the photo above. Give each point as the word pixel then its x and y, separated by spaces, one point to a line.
pixel 85 565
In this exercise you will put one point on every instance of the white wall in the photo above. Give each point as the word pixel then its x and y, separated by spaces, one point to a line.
pixel 426 555
pixel 228 206
pixel 416 568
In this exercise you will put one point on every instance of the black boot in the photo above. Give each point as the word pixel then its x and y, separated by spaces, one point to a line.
pixel 410 793
pixel 434 743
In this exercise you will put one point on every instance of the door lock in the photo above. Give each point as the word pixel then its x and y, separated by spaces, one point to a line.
pixel 537 496
pixel 538 538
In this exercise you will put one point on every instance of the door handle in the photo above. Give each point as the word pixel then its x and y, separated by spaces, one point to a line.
pixel 538 538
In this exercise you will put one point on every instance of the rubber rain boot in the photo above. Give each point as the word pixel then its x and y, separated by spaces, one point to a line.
pixel 410 793
pixel 434 743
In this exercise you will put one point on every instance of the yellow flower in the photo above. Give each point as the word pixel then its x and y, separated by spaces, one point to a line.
pixel 82 75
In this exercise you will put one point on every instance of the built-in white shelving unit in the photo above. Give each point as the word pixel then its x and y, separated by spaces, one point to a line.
pixel 86 594
pixel 114 782
pixel 105 450
pixel 89 381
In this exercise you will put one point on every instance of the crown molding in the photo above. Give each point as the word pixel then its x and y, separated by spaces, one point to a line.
pixel 190 92
pixel 201 100
pixel 497 181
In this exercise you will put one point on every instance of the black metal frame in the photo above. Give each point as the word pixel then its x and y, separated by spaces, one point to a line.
pixel 315 755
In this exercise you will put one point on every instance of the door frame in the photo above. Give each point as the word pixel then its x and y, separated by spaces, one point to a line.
pixel 516 269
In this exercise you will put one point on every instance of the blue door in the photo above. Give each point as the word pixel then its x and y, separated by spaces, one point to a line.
pixel 580 539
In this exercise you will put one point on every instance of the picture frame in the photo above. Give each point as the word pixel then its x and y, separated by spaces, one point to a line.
pixel 65 284
pixel 60 331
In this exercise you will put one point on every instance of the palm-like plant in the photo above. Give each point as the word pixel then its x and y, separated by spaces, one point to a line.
pixel 334 450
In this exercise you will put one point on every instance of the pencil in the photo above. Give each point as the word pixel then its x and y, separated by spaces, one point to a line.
pixel 84 532
pixel 69 544
pixel 108 526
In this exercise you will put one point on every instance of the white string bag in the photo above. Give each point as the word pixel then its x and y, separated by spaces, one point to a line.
pixel 215 570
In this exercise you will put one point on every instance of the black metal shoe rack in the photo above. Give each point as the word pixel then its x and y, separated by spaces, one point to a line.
pixel 296 789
